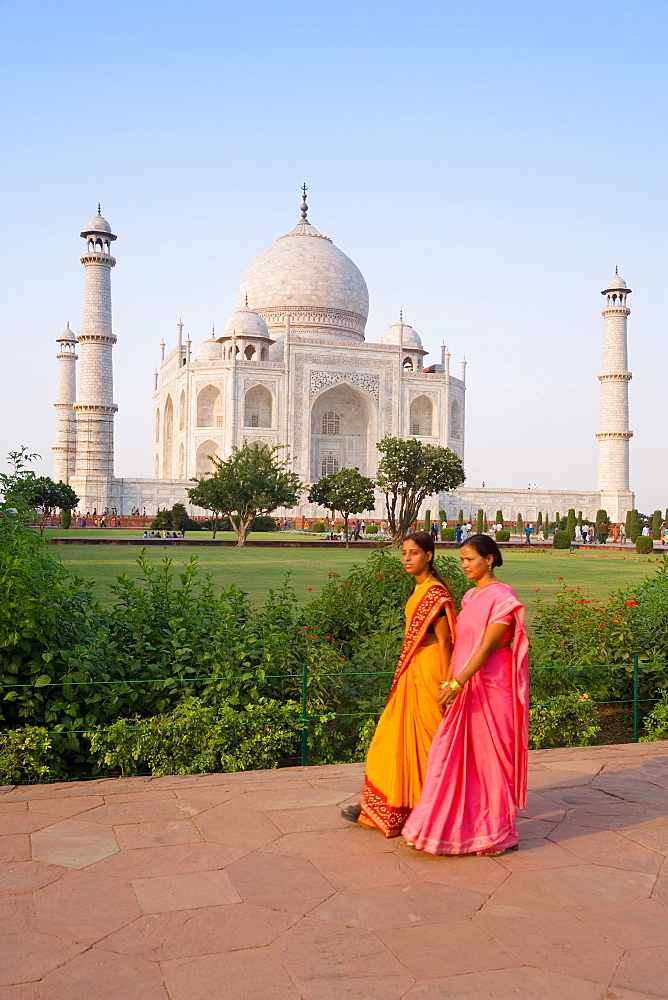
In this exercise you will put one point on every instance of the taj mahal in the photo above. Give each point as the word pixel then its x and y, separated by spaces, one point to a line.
pixel 292 367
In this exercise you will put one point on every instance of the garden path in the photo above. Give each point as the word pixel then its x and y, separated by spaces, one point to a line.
pixel 249 886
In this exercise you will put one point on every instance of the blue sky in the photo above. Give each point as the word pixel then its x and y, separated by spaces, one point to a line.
pixel 485 165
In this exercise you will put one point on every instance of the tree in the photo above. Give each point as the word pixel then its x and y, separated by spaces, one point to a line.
pixel 479 521
pixel 499 517
pixel 408 472
pixel 427 520
pixel 460 517
pixel 570 523
pixel 252 481
pixel 346 491
pixel 485 525
pixel 539 521
pixel 520 524
pixel 47 496
pixel 632 525
pixel 656 525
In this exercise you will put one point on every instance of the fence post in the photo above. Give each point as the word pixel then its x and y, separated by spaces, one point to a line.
pixel 304 715
pixel 636 705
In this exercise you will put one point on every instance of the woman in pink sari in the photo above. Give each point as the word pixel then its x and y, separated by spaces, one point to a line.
pixel 476 771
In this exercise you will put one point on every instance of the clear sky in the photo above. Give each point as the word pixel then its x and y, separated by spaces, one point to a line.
pixel 486 165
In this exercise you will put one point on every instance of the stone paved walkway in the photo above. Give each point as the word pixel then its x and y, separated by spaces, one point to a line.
pixel 251 887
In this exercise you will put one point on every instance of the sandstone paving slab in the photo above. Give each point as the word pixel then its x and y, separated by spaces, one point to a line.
pixel 17 913
pixel 185 891
pixel 407 906
pixel 541 807
pixel 644 969
pixel 73 843
pixel 619 993
pixel 508 984
pixel 483 875
pixel 311 952
pixel 152 811
pixel 451 948
pixel 83 907
pixel 346 841
pixel 655 838
pixel 235 826
pixel 26 991
pixel 605 847
pixel 26 876
pixel 149 862
pixel 534 829
pixel 15 847
pixel 62 807
pixel 294 796
pixel 281 883
pixel 132 835
pixel 304 820
pixel 7 807
pixel 209 930
pixel 352 784
pixel 538 854
pixel 100 975
pixel 365 871
pixel 660 890
pixel 637 923
pixel 28 955
pixel 549 937
pixel 580 885
pixel 253 974
pixel 27 821
pixel 631 789
pixel 65 789
pixel 546 778
pixel 207 796
pixel 145 795
pixel 581 765
pixel 614 815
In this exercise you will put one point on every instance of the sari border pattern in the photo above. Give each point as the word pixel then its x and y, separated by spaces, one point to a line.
pixel 432 601
pixel 389 819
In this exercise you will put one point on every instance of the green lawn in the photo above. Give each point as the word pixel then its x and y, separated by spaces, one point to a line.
pixel 531 574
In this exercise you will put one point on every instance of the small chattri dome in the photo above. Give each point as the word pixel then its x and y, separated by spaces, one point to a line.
pixel 616 281
pixel 246 323
pixel 402 333
pixel 209 350
pixel 66 335
pixel 98 225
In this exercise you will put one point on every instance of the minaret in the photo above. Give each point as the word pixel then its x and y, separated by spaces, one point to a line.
pixel 614 434
pixel 66 432
pixel 95 407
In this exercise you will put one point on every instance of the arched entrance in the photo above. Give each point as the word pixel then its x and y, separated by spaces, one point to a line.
pixel 343 423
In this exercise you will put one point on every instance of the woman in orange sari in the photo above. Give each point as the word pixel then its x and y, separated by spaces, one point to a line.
pixel 397 759
pixel 477 773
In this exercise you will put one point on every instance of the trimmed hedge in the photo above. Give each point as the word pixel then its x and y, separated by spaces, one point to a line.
pixel 561 540
pixel 503 535
pixel 448 534
pixel 644 544
pixel 371 529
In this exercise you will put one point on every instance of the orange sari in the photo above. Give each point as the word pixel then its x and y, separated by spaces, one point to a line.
pixel 397 759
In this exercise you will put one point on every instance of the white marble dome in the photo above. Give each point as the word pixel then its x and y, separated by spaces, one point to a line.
pixel 98 225
pixel 304 276
pixel 246 323
pixel 209 350
pixel 615 282
pixel 402 333
pixel 66 335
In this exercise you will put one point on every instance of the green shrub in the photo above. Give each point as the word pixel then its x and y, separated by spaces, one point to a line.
pixel 65 518
pixel 26 756
pixel 656 723
pixel 561 540
pixel 632 525
pixel 520 524
pixel 480 521
pixel 427 521
pixel 656 525
pixel 565 721
pixel 503 535
pixel 197 738
pixel 644 544
pixel 318 527
pixel 448 534
pixel 570 523
pixel 371 529
pixel 499 517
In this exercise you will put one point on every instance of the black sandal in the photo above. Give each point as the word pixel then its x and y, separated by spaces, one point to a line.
pixel 351 813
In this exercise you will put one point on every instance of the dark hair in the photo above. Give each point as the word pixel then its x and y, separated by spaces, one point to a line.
pixel 484 546
pixel 425 541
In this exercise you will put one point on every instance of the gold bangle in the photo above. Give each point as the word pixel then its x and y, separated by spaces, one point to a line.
pixel 443 685
pixel 455 685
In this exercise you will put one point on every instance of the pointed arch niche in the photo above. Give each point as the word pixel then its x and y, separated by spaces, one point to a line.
pixel 455 419
pixel 343 431
pixel 168 439
pixel 258 407
pixel 210 407
pixel 422 417
pixel 203 463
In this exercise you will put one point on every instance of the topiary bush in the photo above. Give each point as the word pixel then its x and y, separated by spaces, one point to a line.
pixel 503 535
pixel 448 534
pixel 65 518
pixel 371 529
pixel 644 544
pixel 318 527
pixel 561 540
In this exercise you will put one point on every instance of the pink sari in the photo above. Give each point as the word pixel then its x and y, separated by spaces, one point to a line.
pixel 477 766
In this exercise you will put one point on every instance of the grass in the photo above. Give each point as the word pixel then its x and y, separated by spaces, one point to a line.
pixel 532 574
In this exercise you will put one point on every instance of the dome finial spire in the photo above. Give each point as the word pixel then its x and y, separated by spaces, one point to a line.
pixel 99 209
pixel 304 205
pixel 401 314
pixel 616 271
pixel 246 300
